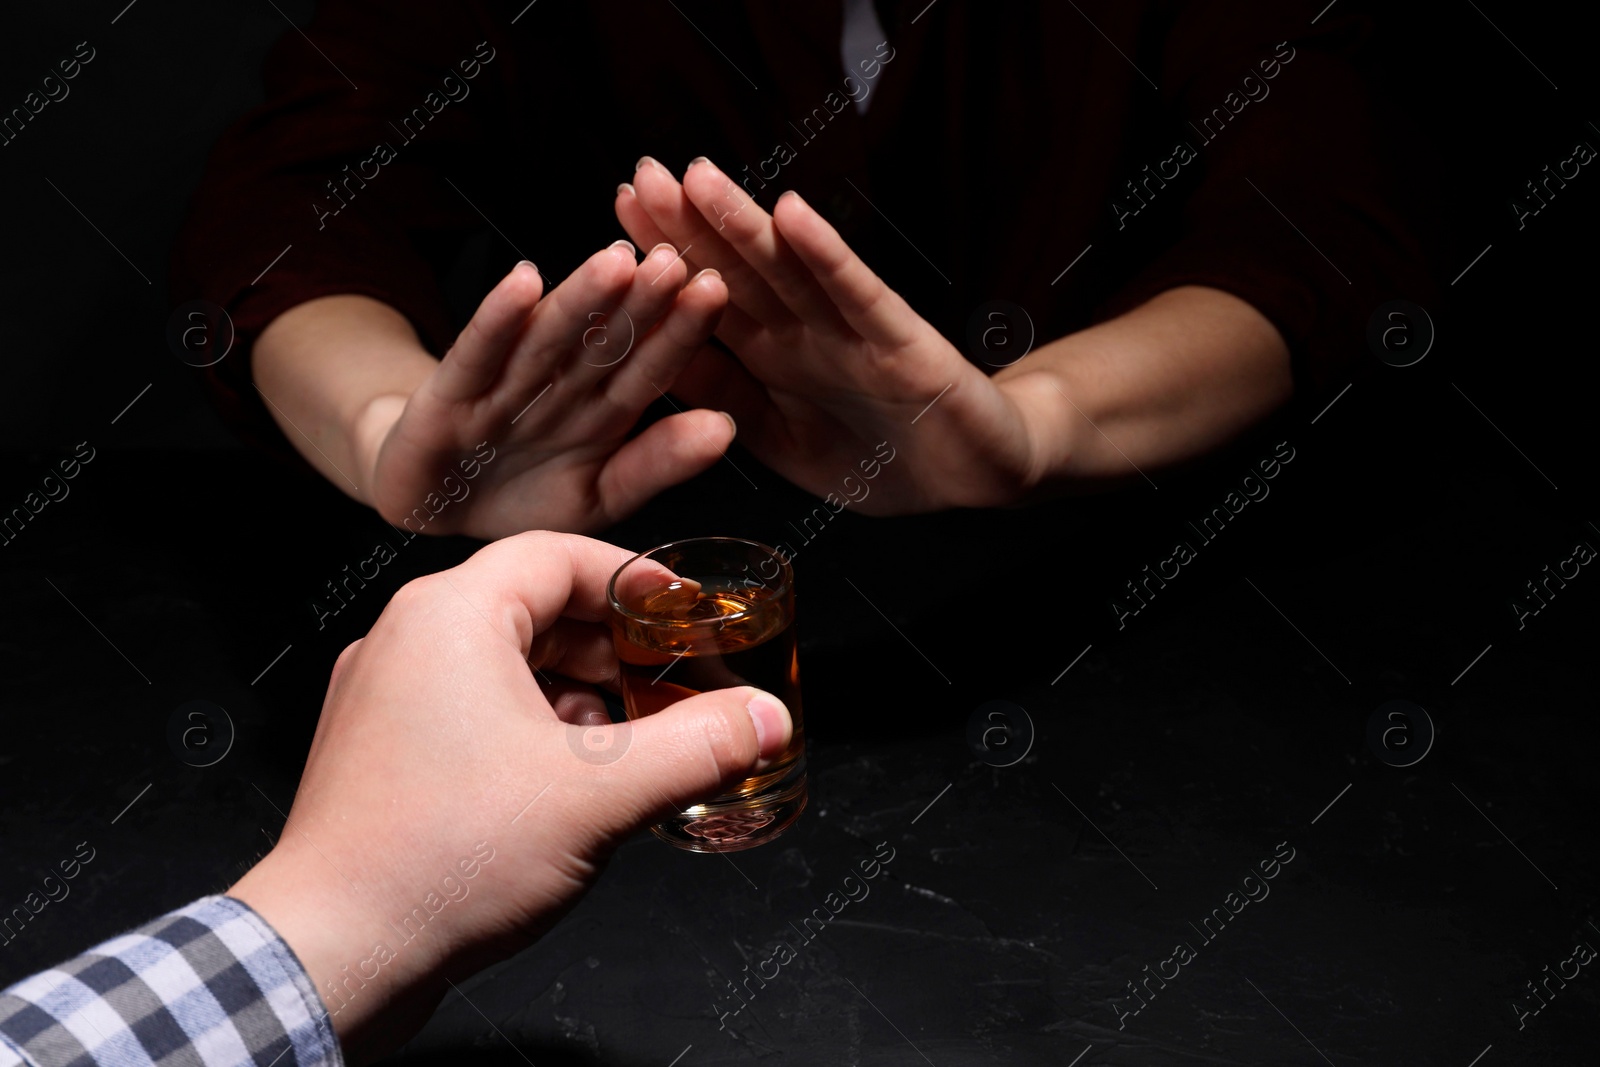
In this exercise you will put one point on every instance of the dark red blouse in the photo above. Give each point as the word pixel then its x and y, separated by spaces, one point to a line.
pixel 1143 144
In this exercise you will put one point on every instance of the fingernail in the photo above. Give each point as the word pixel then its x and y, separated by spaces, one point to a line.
pixel 524 263
pixel 625 244
pixel 772 723
pixel 697 159
pixel 625 187
pixel 791 192
pixel 646 161
pixel 735 425
pixel 709 272
pixel 664 244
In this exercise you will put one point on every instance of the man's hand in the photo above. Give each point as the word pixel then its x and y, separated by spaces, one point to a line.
pixel 548 384
pixel 451 809
pixel 832 361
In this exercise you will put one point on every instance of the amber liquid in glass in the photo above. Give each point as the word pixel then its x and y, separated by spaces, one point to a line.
pixel 712 636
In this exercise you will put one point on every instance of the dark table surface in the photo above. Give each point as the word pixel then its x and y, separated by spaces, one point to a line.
pixel 1224 724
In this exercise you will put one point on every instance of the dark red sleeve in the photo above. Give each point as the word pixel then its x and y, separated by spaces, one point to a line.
pixel 383 90
pixel 1295 211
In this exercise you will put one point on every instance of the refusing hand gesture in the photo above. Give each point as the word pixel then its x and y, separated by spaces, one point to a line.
pixel 830 360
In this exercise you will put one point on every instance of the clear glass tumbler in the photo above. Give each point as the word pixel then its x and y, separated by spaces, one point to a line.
pixel 709 613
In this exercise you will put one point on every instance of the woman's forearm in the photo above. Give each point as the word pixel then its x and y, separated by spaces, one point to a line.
pixel 1182 373
pixel 335 373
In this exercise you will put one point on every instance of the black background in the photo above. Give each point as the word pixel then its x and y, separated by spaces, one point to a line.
pixel 1214 725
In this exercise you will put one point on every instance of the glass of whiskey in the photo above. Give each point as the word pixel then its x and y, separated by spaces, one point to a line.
pixel 710 613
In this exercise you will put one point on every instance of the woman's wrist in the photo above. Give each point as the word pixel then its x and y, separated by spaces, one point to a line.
pixel 337 371
pixel 1039 397
pixel 1169 380
pixel 367 432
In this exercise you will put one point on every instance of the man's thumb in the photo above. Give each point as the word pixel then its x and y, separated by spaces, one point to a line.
pixel 692 750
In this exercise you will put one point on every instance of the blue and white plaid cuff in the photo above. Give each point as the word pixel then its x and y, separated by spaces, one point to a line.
pixel 209 985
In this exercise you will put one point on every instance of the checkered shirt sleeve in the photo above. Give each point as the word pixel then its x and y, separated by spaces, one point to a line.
pixel 208 985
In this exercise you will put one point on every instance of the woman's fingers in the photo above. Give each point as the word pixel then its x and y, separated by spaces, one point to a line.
pixel 737 328
pixel 611 339
pixel 670 451
pixel 636 220
pixel 663 199
pixel 558 325
pixel 872 309
pixel 648 371
pixel 474 362
pixel 749 230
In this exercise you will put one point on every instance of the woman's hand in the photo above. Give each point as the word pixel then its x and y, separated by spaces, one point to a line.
pixel 554 385
pixel 831 361
pixel 536 399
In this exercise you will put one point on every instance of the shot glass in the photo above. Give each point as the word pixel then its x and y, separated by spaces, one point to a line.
pixel 710 613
